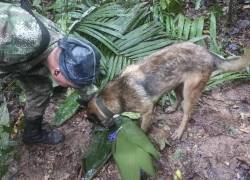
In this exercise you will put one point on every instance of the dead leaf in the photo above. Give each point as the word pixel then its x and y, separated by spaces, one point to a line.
pixel 245 129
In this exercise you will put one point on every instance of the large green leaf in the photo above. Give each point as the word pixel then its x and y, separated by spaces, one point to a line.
pixel 131 155
pixel 131 159
pixel 98 153
pixel 67 109
pixel 133 151
pixel 138 137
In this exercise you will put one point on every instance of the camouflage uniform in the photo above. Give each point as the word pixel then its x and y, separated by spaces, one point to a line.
pixel 20 35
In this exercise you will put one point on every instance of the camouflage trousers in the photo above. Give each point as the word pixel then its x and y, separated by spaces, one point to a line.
pixel 38 90
pixel 37 87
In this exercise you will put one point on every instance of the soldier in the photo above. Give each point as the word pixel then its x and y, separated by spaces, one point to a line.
pixel 34 51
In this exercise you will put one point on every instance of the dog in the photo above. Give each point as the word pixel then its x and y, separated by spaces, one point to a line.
pixel 183 67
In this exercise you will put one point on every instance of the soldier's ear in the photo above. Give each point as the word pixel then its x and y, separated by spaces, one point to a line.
pixel 57 72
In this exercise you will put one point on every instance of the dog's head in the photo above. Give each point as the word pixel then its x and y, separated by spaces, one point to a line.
pixel 98 113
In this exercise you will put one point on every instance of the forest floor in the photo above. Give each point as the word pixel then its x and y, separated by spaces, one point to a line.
pixel 214 146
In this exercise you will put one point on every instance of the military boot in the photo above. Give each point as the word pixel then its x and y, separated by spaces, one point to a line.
pixel 33 133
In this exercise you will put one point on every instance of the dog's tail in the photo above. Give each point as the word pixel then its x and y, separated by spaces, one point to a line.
pixel 235 64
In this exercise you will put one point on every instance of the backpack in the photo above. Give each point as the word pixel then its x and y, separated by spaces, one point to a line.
pixel 21 41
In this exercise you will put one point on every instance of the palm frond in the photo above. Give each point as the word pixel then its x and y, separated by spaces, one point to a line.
pixel 183 28
pixel 226 77
pixel 214 47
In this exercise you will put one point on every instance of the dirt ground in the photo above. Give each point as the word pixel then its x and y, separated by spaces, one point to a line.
pixel 215 145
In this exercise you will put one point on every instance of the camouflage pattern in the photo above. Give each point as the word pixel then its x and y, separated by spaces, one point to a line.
pixel 18 38
pixel 37 87
pixel 20 35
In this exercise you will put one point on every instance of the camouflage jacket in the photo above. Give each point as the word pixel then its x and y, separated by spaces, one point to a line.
pixel 20 36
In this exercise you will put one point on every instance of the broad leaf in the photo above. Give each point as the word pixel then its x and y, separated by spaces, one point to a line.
pixel 138 137
pixel 67 109
pixel 131 159
pixel 98 153
pixel 133 151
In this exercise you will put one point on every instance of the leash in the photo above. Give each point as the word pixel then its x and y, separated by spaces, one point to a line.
pixel 104 108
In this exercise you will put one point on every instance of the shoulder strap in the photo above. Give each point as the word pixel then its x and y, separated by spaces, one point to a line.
pixel 45 33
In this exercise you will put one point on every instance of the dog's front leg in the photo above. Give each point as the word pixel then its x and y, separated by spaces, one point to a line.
pixel 146 121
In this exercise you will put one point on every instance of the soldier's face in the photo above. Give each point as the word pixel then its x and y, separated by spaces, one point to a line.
pixel 53 65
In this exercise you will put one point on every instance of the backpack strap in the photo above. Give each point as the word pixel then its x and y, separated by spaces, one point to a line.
pixel 45 33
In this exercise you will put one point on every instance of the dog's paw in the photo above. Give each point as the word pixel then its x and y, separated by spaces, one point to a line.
pixel 177 134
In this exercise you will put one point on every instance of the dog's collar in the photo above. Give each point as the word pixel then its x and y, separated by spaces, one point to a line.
pixel 104 109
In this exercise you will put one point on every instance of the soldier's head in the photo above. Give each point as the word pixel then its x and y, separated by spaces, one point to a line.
pixel 74 62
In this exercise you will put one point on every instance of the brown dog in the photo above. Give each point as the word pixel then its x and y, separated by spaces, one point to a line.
pixel 184 68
